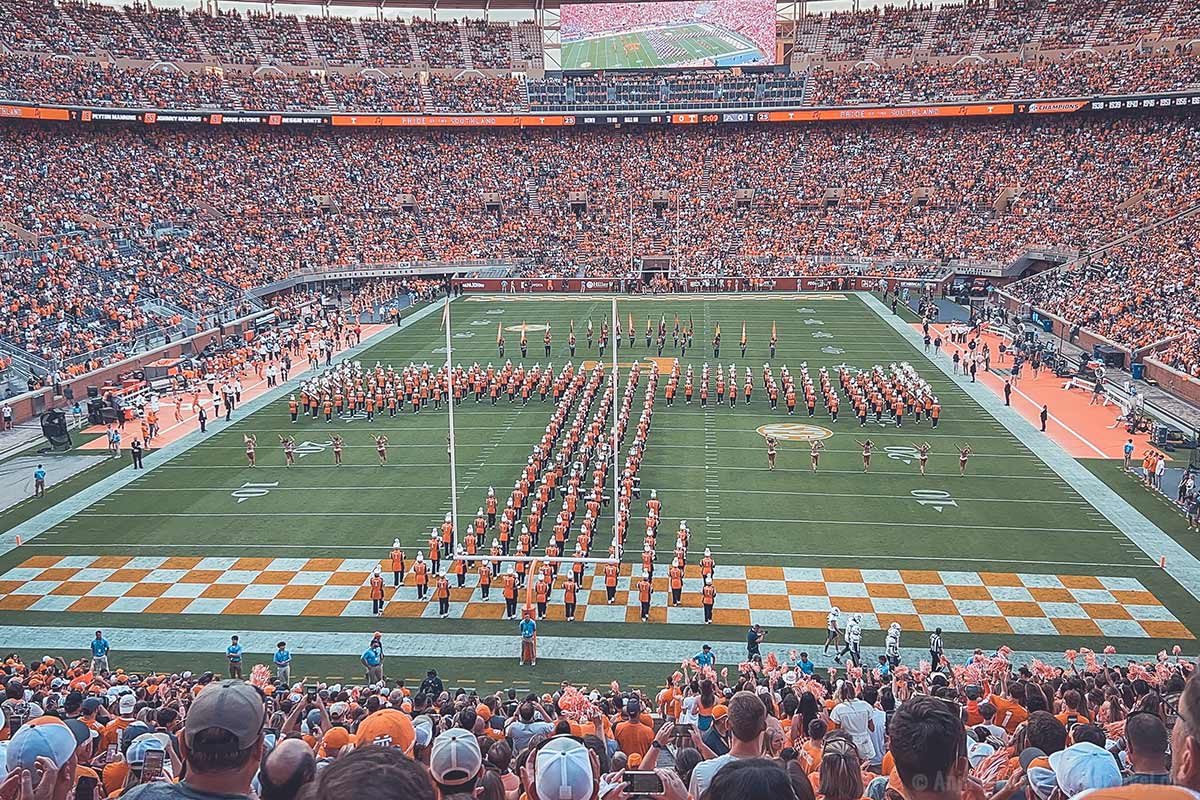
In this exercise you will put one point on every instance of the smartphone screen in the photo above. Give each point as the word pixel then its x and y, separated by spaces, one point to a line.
pixel 643 782
pixel 85 789
pixel 152 767
pixel 112 754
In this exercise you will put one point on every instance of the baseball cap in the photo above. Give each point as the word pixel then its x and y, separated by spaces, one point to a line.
pixel 720 711
pixel 44 736
pixel 126 703
pixel 1084 766
pixel 231 706
pixel 454 758
pixel 81 732
pixel 564 770
pixel 423 730
pixel 91 705
pixel 335 739
pixel 136 754
pixel 387 727
pixel 978 751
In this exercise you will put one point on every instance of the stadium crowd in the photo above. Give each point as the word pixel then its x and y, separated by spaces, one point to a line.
pixel 196 217
pixel 35 79
pixel 1137 293
pixel 761 728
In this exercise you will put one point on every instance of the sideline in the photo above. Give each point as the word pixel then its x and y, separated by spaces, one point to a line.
pixel 424 645
pixel 65 509
pixel 1180 564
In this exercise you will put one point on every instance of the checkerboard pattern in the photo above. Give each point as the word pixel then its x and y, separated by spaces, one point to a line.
pixel 977 602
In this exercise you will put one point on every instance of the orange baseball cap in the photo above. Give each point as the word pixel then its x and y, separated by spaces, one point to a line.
pixel 388 727
pixel 335 739
pixel 719 711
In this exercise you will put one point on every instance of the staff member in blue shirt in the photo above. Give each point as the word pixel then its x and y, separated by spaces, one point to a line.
pixel 372 659
pixel 528 639
pixel 234 654
pixel 100 650
pixel 706 657
pixel 39 482
pixel 283 664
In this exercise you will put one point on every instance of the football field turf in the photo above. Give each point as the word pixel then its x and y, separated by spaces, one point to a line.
pixel 1009 554
pixel 636 51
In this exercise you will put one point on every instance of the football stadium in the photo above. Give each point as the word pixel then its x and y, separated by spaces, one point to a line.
pixel 809 408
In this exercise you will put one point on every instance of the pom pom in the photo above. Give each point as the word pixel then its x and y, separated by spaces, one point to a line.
pixel 1176 650
pixel 1109 650
pixel 616 687
pixel 260 676
pixel 793 656
pixel 1070 656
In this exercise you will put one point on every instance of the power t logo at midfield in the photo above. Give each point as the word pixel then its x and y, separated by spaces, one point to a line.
pixel 794 432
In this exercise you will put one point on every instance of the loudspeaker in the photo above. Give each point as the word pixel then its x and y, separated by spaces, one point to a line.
pixel 54 428
pixel 95 411
pixel 1110 356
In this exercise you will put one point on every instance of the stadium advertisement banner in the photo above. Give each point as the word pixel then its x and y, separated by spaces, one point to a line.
pixel 708 33
pixel 452 120
pixel 891 112
pixel 90 115
pixel 33 112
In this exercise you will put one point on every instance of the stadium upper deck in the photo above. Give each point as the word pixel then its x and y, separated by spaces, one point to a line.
pixel 134 57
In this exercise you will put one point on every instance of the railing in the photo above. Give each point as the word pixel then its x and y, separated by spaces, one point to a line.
pixel 22 356
pixel 152 338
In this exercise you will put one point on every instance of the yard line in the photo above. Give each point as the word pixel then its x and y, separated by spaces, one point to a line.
pixel 710 490
pixel 425 515
pixel 912 525
pixel 266 546
pixel 239 468
pixel 701 446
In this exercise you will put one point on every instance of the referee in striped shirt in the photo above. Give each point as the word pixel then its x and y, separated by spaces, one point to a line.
pixel 936 649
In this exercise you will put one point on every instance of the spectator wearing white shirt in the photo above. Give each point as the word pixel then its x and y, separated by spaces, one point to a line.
pixel 854 717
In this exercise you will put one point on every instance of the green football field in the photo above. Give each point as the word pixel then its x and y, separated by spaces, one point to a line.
pixel 202 546
pixel 635 50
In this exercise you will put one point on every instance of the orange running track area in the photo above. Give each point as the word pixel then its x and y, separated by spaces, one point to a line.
pixel 1083 430
pixel 170 430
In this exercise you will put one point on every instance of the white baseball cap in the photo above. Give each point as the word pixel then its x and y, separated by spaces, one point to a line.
pixel 455 758
pixel 564 770
pixel 1084 766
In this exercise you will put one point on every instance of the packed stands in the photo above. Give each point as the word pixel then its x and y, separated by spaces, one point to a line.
pixel 819 197
pixel 813 198
pixel 778 728
pixel 29 78
pixel 1137 293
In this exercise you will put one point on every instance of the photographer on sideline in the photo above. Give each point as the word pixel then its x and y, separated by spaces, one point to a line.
pixel 754 638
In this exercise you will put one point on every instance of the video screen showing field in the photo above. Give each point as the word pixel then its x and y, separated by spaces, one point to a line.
pixel 726 33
